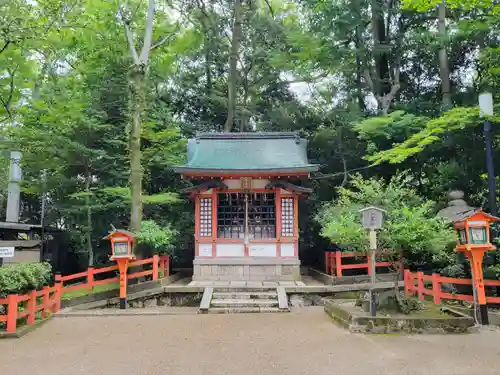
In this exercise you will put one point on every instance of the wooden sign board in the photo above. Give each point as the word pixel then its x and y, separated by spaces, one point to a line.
pixel 6 252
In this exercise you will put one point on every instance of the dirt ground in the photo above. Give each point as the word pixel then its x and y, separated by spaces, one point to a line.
pixel 301 342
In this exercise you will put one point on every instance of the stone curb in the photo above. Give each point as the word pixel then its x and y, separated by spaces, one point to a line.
pixel 404 325
pixel 68 313
pixel 23 330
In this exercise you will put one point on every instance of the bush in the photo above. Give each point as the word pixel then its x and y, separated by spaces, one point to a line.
pixel 23 277
pixel 411 227
pixel 155 239
pixel 407 305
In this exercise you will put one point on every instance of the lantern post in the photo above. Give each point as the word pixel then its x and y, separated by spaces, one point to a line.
pixel 473 239
pixel 122 244
pixel 372 219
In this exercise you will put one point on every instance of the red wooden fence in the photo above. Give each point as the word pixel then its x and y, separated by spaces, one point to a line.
pixel 159 264
pixel 434 281
pixel 334 266
pixel 48 299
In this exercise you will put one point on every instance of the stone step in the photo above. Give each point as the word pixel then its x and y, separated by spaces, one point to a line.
pixel 243 290
pixel 244 310
pixel 244 303
pixel 244 295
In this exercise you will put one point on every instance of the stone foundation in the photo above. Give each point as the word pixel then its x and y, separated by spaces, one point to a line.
pixel 246 269
pixel 356 320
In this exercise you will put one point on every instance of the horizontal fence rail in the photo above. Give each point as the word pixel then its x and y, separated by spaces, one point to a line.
pixel 422 285
pixel 40 303
pixel 334 265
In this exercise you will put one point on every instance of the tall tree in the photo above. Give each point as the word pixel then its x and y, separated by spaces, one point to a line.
pixel 444 69
pixel 138 75
pixel 232 79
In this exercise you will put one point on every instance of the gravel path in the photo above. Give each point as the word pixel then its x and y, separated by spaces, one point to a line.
pixel 304 342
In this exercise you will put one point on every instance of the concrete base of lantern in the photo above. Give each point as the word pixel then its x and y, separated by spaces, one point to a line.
pixel 246 269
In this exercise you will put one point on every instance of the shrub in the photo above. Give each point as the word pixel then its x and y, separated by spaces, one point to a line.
pixel 23 277
pixel 407 305
pixel 411 227
pixel 155 239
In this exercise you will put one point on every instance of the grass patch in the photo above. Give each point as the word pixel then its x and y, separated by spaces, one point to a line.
pixel 84 292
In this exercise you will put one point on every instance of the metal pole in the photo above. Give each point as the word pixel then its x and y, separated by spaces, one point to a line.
pixel 373 266
pixel 490 168
pixel 492 200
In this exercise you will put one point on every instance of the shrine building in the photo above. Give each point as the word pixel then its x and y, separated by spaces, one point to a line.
pixel 246 188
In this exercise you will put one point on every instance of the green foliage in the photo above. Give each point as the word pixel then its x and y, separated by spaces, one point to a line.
pixel 395 127
pixel 411 227
pixel 433 131
pixel 425 5
pixel 23 277
pixel 156 239
pixel 124 194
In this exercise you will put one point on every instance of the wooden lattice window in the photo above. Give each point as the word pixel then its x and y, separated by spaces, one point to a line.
pixel 287 217
pixel 231 215
pixel 261 215
pixel 238 211
pixel 205 217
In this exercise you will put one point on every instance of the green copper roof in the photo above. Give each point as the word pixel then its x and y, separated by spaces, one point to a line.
pixel 247 152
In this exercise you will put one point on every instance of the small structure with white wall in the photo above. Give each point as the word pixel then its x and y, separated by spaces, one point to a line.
pixel 246 192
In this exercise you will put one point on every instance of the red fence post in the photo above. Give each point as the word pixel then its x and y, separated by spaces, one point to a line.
pixel 436 288
pixel 90 278
pixel 167 265
pixel 327 262
pixel 156 259
pixel 332 265
pixel 338 263
pixel 31 307
pixel 163 262
pixel 45 301
pixel 407 280
pixel 420 285
pixel 57 297
pixel 12 300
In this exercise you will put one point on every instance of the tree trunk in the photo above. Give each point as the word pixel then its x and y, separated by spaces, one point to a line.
pixel 90 251
pixel 138 72
pixel 359 92
pixel 444 70
pixel 233 73
pixel 208 74
pixel 382 81
pixel 245 115
pixel 137 85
